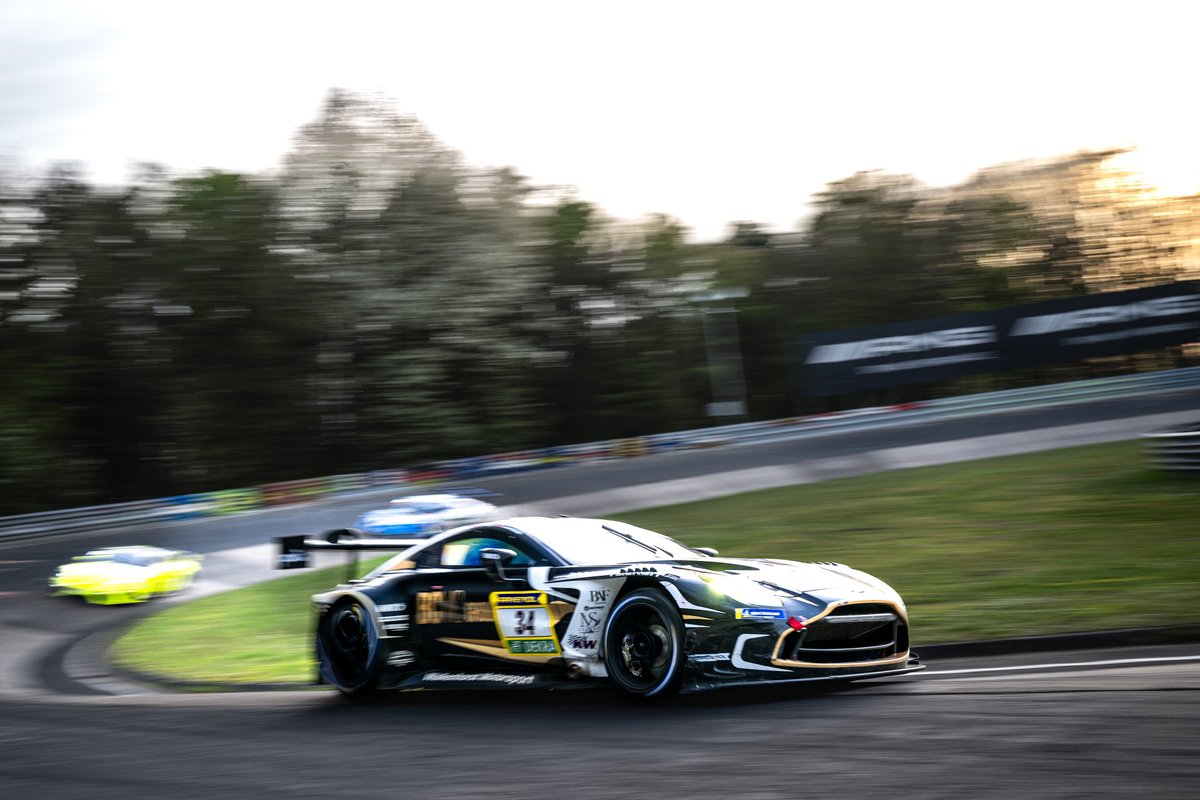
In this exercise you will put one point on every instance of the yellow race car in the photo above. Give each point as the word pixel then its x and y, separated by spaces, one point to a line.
pixel 131 574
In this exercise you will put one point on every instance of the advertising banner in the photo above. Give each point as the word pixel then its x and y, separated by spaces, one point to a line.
pixel 1055 331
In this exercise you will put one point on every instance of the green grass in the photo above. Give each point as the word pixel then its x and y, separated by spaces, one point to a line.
pixel 260 634
pixel 1084 538
pixel 1079 539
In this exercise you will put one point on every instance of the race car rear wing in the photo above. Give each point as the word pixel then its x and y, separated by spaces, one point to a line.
pixel 294 550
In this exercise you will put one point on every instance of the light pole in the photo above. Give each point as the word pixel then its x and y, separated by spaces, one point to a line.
pixel 723 348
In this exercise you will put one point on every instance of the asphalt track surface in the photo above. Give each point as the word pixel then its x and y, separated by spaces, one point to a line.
pixel 1117 731
pixel 1113 723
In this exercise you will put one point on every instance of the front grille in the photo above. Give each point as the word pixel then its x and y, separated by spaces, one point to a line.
pixel 850 634
pixel 855 609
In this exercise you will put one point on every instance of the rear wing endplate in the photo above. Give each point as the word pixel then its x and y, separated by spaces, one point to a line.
pixel 293 550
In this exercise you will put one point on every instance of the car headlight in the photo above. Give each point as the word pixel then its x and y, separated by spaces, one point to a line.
pixel 744 591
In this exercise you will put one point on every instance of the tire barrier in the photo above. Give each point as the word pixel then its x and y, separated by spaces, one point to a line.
pixel 234 501
pixel 1174 449
pixel 291 492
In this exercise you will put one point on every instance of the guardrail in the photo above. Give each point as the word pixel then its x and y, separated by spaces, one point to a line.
pixel 234 501
pixel 1174 449
pixel 193 506
pixel 933 410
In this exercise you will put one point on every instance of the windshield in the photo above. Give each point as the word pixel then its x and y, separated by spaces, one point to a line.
pixel 400 561
pixel 608 542
pixel 417 507
pixel 578 541
pixel 137 558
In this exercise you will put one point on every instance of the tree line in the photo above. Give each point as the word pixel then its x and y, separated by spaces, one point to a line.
pixel 378 303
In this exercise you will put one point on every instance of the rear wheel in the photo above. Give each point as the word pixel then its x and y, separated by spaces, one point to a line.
pixel 348 647
pixel 643 644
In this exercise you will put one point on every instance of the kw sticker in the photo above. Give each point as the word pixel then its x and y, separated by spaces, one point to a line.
pixel 525 623
pixel 585 643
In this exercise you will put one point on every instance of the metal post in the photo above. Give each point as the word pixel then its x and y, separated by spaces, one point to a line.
pixel 725 370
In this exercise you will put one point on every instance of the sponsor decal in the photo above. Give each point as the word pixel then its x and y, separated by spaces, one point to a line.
pixel 1105 315
pixel 706 658
pixel 590 618
pixel 437 608
pixel 533 647
pixel 292 558
pixel 479 677
pixel 396 624
pixel 925 363
pixel 390 607
pixel 1129 333
pixel 760 613
pixel 891 345
pixel 509 599
pixel 578 642
pixel 401 658
pixel 590 613
pixel 525 623
pixel 1112 323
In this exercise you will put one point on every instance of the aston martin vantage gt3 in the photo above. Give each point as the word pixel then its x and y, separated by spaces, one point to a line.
pixel 554 601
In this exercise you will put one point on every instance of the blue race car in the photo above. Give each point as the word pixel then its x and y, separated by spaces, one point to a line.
pixel 425 514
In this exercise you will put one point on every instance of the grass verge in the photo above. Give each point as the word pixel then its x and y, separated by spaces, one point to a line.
pixel 259 634
pixel 1081 539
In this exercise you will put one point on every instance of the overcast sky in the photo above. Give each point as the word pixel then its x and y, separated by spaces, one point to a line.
pixel 708 111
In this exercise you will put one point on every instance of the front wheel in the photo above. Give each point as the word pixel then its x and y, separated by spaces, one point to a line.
pixel 643 644
pixel 348 649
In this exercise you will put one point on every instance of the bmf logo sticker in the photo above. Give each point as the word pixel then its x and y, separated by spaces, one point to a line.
pixel 760 613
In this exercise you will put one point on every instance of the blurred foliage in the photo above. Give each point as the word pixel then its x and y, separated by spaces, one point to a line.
pixel 377 303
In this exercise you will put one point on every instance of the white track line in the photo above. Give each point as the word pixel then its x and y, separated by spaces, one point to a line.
pixel 1116 662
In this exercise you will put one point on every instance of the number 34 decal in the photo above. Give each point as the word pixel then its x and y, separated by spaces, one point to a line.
pixel 525 624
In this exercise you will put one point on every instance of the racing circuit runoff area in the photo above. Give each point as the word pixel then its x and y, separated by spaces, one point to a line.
pixel 1104 716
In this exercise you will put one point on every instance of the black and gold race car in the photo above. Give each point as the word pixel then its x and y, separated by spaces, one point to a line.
pixel 562 601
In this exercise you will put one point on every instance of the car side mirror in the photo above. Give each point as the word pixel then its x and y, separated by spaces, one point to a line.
pixel 708 551
pixel 495 559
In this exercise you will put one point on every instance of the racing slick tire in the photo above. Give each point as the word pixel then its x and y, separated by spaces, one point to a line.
pixel 348 649
pixel 643 645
